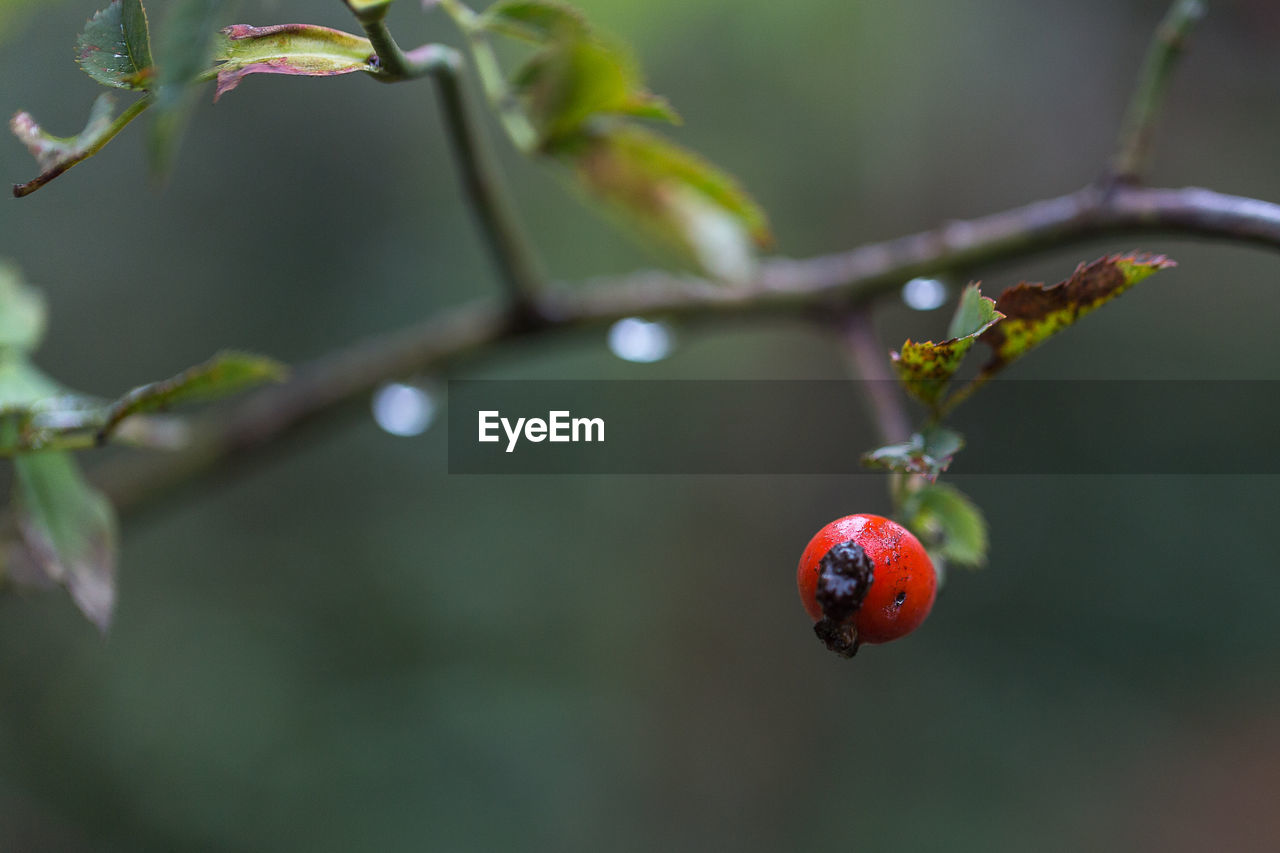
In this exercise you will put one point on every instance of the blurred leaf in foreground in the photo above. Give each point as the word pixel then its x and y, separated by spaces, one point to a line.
pixel 674 195
pixel 69 529
pixel 577 75
pixel 576 98
pixel 184 51
pixel 14 14
pixel 22 312
pixel 224 374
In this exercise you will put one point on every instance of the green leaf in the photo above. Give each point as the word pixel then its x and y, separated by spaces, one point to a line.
pixel 115 47
pixel 946 518
pixel 299 49
pixel 36 413
pixel 184 52
pixel 572 100
pixel 26 394
pixel 577 75
pixel 225 373
pixel 925 368
pixel 537 21
pixel 674 195
pixel 1034 313
pixel 22 386
pixel 566 86
pixel 137 33
pixel 974 314
pixel 14 15
pixel 22 312
pixel 927 453
pixel 69 528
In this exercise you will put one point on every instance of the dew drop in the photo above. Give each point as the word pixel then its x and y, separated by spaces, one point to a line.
pixel 924 294
pixel 403 409
pixel 641 341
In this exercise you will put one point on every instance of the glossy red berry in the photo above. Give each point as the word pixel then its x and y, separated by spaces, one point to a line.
pixel 865 579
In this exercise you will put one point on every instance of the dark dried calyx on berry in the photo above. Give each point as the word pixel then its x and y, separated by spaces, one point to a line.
pixel 845 574
pixel 839 637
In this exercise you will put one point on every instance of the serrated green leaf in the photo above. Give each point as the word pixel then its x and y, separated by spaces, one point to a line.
pixel 925 368
pixel 137 34
pixel 1034 312
pixel 115 46
pixel 975 314
pixel 69 528
pixel 184 52
pixel 927 453
pixel 946 518
pixel 674 195
pixel 22 312
pixel 225 373
pixel 300 49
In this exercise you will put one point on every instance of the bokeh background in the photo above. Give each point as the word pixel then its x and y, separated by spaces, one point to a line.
pixel 347 648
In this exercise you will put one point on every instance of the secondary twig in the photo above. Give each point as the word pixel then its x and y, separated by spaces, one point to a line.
pixel 394 64
pixel 1157 68
pixel 22 120
pixel 323 387
pixel 869 361
pixel 486 193
pixel 482 181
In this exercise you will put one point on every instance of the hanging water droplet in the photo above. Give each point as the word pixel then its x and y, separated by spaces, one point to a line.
pixel 403 409
pixel 924 294
pixel 641 341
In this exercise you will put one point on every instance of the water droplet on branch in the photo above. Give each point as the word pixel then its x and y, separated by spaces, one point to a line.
pixel 640 341
pixel 403 409
pixel 924 294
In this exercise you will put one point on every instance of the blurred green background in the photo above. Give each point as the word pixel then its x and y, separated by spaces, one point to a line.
pixel 349 649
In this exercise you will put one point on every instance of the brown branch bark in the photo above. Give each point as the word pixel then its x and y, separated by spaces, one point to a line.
pixel 323 387
pixel 867 358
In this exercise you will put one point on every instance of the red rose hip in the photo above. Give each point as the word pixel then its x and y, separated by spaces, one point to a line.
pixel 865 579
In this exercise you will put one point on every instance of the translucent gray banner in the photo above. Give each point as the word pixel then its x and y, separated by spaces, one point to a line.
pixel 823 427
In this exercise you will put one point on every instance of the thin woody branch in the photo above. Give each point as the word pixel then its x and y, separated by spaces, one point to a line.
pixel 868 360
pixel 482 182
pixel 1166 48
pixel 486 192
pixel 331 384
